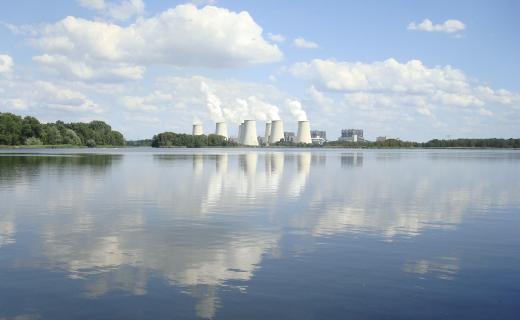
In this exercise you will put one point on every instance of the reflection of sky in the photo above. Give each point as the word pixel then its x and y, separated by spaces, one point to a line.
pixel 203 220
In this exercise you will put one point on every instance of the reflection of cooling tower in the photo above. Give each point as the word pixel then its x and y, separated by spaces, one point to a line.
pixel 221 129
pixel 276 131
pixel 267 132
pixel 249 133
pixel 197 129
pixel 304 162
pixel 304 132
pixel 198 164
pixel 222 162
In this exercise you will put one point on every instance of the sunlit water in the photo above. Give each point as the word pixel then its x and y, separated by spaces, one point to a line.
pixel 268 234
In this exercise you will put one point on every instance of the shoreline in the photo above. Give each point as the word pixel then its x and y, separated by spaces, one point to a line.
pixel 39 147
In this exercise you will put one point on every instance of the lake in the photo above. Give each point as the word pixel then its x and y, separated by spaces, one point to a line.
pixel 259 234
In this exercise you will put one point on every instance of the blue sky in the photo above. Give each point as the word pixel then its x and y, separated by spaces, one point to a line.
pixel 151 66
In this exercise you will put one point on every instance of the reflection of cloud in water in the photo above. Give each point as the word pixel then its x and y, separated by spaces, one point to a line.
pixel 199 221
pixel 7 229
pixel 403 199
pixel 445 268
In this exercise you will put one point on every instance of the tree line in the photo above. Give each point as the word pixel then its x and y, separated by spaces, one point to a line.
pixel 171 139
pixel 435 143
pixel 16 130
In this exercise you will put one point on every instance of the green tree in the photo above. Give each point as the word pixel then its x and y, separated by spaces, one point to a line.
pixel 10 129
pixel 70 137
pixel 33 141
pixel 52 135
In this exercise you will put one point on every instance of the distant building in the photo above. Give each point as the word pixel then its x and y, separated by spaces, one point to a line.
pixel 318 136
pixel 289 136
pixel 381 139
pixel 352 135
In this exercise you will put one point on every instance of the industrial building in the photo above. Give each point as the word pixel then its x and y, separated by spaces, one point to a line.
pixel 352 135
pixel 289 136
pixel 318 136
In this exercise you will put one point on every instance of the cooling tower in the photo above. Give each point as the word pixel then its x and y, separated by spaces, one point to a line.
pixel 267 132
pixel 197 129
pixel 221 129
pixel 276 131
pixel 249 133
pixel 240 133
pixel 304 132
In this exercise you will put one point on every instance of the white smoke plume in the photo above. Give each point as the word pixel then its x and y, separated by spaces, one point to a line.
pixel 250 108
pixel 213 103
pixel 239 108
pixel 196 120
pixel 296 109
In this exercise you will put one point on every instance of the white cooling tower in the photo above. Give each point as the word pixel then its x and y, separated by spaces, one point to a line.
pixel 197 129
pixel 276 131
pixel 267 132
pixel 304 132
pixel 249 133
pixel 221 129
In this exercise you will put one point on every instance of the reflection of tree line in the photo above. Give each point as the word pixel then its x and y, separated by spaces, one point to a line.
pixel 13 166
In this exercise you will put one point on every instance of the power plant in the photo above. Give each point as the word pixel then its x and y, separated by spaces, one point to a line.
pixel 197 129
pixel 304 132
pixel 249 137
pixel 221 129
pixel 276 131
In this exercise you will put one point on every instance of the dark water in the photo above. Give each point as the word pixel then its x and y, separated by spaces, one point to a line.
pixel 240 234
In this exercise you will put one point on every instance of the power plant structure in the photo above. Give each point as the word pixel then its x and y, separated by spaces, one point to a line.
pixel 304 132
pixel 197 129
pixel 276 131
pixel 221 129
pixel 240 136
pixel 267 132
pixel 249 133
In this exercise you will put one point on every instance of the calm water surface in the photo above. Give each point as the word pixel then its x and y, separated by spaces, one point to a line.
pixel 267 234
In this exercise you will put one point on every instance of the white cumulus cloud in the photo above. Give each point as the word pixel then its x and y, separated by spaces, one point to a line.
pixel 276 37
pixel 6 64
pixel 181 36
pixel 300 42
pixel 448 26
pixel 386 92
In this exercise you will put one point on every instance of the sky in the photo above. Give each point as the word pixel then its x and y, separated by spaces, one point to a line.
pixel 414 70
